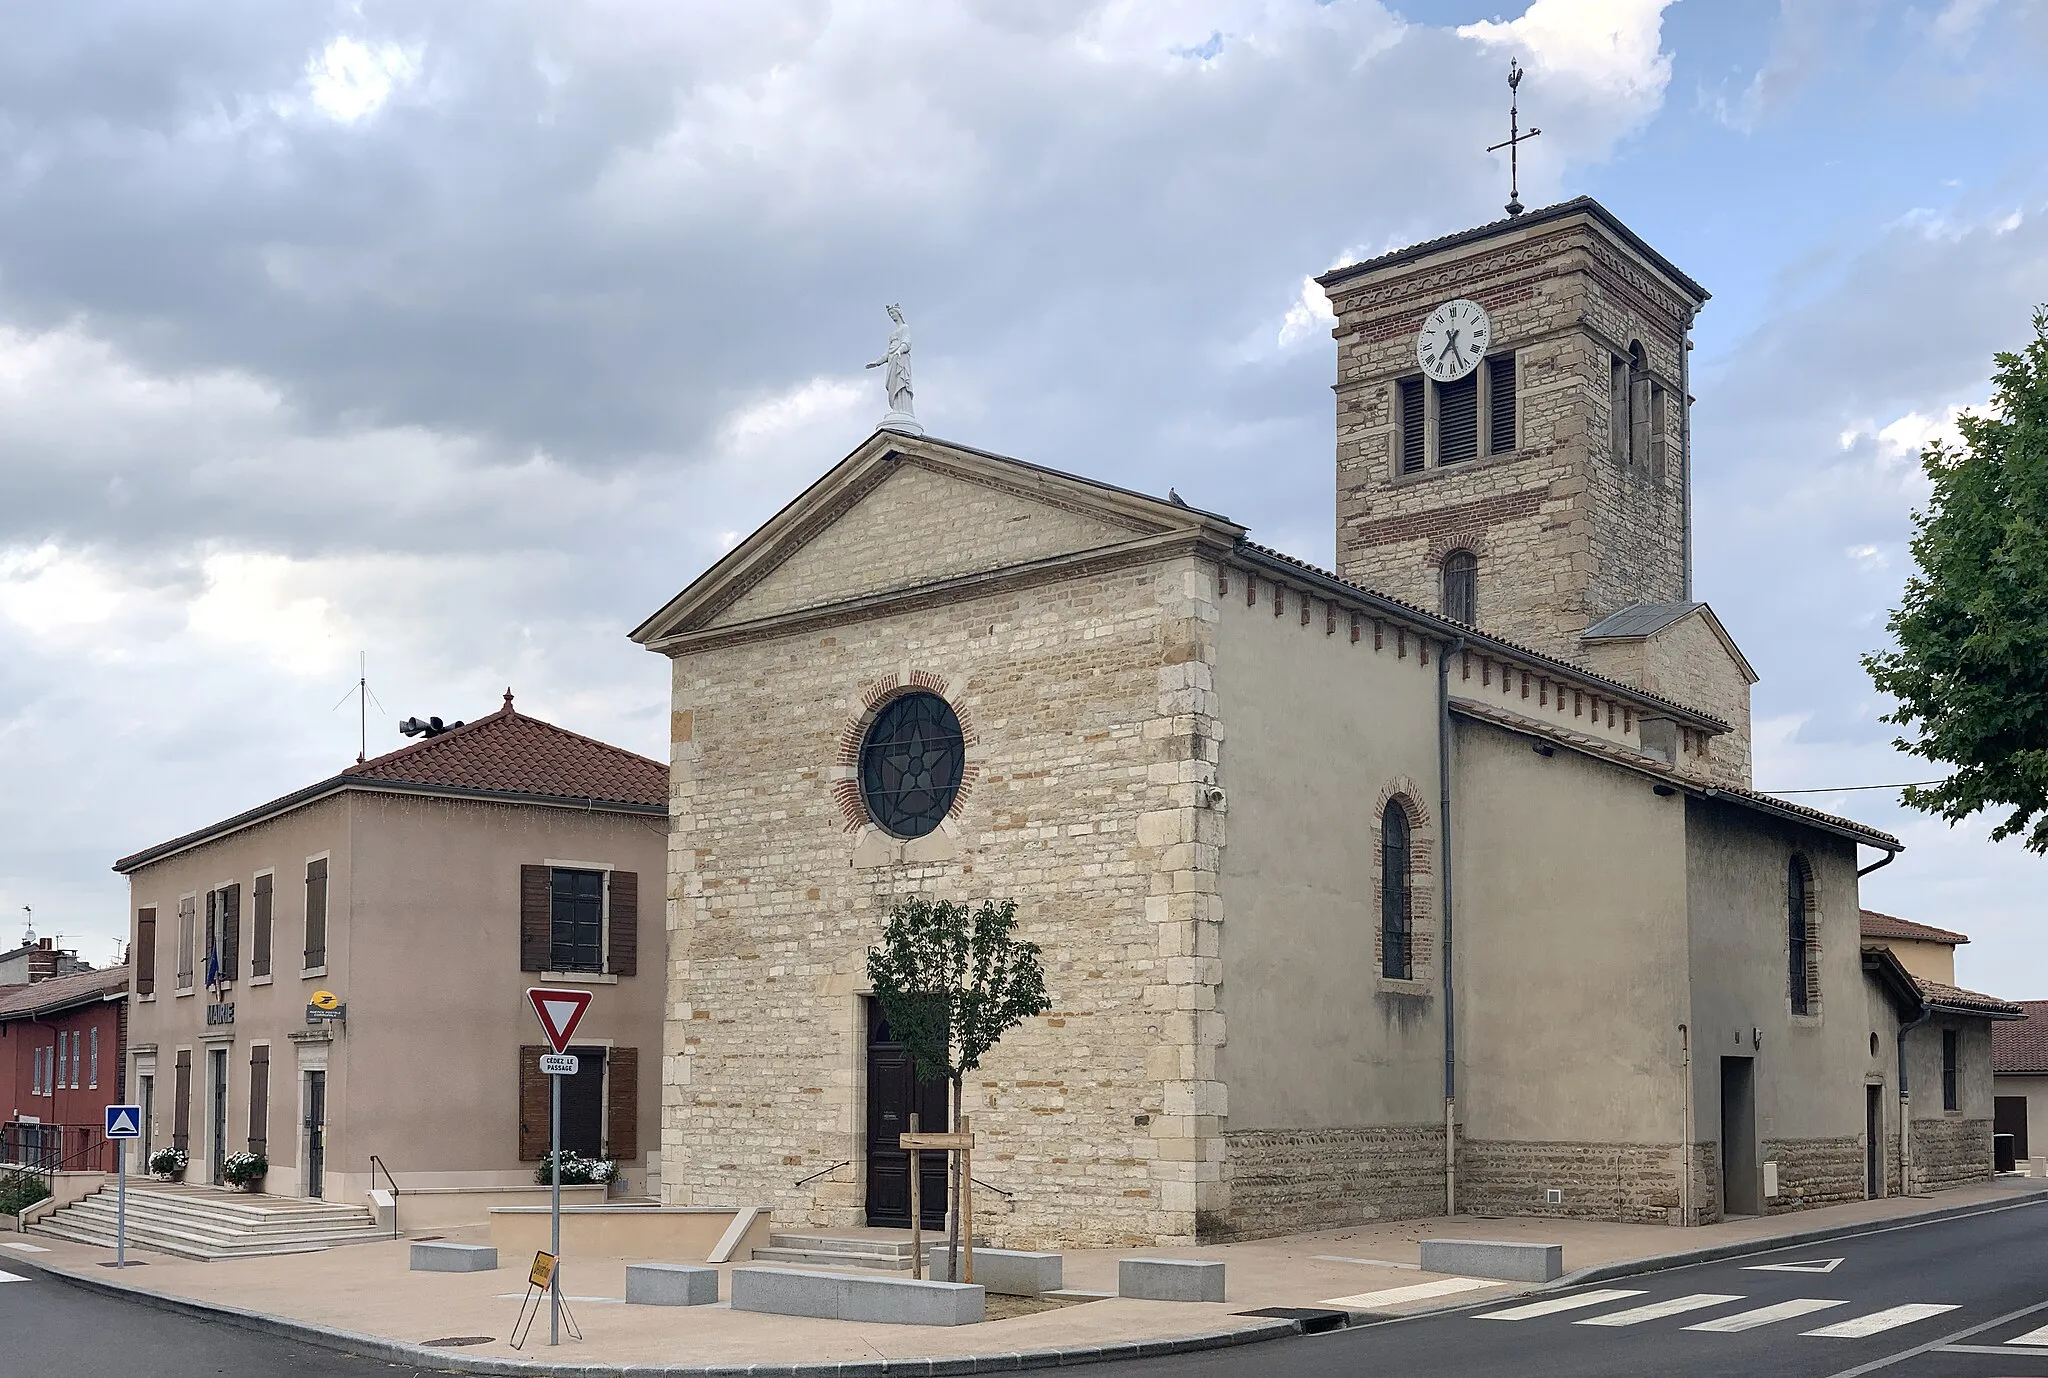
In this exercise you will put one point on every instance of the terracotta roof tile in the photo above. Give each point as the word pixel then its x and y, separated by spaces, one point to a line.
pixel 2022 1045
pixel 1876 925
pixel 1958 1000
pixel 80 987
pixel 510 753
pixel 504 756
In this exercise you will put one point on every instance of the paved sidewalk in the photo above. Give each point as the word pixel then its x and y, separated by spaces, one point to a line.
pixel 366 1289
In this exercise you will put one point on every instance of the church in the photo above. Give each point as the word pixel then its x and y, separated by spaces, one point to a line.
pixel 1433 884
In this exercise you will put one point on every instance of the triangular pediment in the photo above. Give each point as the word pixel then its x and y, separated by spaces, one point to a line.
pixel 904 513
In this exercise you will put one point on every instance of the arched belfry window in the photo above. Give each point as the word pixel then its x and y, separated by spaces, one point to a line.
pixel 912 760
pixel 1799 944
pixel 1461 587
pixel 1397 906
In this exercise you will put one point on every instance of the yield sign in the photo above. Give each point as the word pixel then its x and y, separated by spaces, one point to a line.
pixel 1811 1265
pixel 559 1011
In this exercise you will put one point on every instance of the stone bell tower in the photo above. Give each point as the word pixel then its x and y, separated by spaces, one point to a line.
pixel 1545 486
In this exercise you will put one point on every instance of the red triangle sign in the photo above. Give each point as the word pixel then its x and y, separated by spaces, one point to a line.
pixel 560 1011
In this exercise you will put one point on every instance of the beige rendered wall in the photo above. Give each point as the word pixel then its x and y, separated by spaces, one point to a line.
pixel 1929 961
pixel 2035 1090
pixel 1809 1071
pixel 1950 1147
pixel 266 1011
pixel 436 1000
pixel 1323 1055
pixel 1571 959
pixel 1087 707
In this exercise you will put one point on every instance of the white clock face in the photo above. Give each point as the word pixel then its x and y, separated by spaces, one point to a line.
pixel 1454 339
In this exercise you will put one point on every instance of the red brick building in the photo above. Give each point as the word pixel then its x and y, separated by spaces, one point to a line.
pixel 62 1044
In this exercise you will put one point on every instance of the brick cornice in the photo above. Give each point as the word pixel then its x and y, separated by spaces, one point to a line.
pixel 1465 517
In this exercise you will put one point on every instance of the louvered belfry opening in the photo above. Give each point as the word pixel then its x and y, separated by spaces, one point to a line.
pixel 1457 420
pixel 1501 397
pixel 1414 425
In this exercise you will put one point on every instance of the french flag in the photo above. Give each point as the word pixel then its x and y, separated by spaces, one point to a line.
pixel 213 963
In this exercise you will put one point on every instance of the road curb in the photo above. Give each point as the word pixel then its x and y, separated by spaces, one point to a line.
pixel 421 1356
pixel 1743 1248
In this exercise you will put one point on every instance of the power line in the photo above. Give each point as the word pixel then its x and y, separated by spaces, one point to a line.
pixel 1844 789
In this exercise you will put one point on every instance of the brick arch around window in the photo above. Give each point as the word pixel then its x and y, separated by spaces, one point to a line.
pixel 875 695
pixel 1473 542
pixel 1802 937
pixel 1403 793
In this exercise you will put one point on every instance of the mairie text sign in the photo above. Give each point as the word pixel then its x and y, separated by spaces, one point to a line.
pixel 559 1012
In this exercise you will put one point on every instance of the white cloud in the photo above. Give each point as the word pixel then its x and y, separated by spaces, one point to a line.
pixel 48 591
pixel 350 80
pixel 1614 46
pixel 1309 317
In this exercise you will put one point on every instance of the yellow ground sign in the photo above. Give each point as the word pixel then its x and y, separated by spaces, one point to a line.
pixel 543 1273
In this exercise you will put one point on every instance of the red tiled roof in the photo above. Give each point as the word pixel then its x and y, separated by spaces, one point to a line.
pixel 1957 1000
pixel 510 753
pixel 59 992
pixel 2022 1045
pixel 504 756
pixel 1876 925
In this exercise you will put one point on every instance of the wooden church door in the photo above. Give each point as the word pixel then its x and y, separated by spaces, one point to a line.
pixel 894 1094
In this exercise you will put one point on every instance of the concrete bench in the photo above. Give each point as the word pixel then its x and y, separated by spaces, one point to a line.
pixel 670 1284
pixel 1169 1279
pixel 846 1297
pixel 1485 1258
pixel 1005 1272
pixel 453 1258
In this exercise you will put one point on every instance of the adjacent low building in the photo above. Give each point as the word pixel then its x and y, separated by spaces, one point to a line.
pixel 61 1055
pixel 419 893
pixel 2019 1082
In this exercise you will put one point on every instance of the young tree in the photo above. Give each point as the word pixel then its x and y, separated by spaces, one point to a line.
pixel 1971 670
pixel 951 982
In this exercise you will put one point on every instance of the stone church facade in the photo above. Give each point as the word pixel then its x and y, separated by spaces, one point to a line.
pixel 1216 781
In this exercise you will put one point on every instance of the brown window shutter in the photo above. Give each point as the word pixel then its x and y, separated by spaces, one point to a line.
pixel 181 1102
pixel 316 914
pixel 536 925
pixel 533 1104
pixel 622 1103
pixel 145 951
pixel 259 1100
pixel 623 943
pixel 259 954
pixel 230 932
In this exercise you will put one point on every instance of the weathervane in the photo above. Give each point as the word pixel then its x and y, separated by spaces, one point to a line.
pixel 1514 139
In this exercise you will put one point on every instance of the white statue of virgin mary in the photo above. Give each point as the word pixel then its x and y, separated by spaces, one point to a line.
pixel 902 414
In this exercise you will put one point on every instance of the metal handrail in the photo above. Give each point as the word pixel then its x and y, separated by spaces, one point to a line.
pixel 376 1166
pixel 1006 1195
pixel 816 1175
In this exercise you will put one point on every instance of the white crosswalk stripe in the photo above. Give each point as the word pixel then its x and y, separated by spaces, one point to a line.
pixel 1766 1315
pixel 1420 1291
pixel 1658 1310
pixel 12 1277
pixel 1557 1304
pixel 1879 1321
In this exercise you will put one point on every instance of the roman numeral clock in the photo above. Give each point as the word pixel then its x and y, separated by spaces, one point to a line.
pixel 1453 340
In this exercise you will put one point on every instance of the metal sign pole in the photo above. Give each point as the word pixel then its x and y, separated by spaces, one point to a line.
pixel 555 1192
pixel 121 1205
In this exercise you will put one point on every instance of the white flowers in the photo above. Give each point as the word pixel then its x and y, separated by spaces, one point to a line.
pixel 577 1170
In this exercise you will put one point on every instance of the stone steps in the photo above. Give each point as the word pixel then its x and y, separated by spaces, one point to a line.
pixel 209 1224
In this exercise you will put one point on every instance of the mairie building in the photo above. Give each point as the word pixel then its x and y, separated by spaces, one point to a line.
pixel 1436 881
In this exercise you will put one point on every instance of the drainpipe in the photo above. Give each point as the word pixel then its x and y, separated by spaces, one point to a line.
pixel 1906 1100
pixel 1879 865
pixel 1685 1167
pixel 1443 775
pixel 1685 451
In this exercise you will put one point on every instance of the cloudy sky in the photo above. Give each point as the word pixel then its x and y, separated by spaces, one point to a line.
pixel 464 334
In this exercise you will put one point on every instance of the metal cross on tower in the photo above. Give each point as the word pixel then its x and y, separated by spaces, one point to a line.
pixel 1513 142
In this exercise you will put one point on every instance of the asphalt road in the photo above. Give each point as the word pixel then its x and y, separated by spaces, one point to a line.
pixel 1945 1299
pixel 1940 1300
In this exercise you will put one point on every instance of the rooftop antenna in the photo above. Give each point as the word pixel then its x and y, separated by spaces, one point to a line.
pixel 1515 138
pixel 364 698
pixel 28 939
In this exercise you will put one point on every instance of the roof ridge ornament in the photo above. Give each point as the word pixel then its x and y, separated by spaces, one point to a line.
pixel 1515 139
pixel 902 413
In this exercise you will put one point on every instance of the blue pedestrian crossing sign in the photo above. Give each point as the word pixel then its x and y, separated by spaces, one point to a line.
pixel 124 1121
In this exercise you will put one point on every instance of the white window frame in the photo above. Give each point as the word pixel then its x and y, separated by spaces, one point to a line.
pixel 307 973
pixel 95 1083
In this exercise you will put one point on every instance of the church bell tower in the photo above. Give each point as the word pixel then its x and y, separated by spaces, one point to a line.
pixel 1512 425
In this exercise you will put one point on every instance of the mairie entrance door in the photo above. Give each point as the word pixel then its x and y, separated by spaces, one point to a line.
pixel 894 1094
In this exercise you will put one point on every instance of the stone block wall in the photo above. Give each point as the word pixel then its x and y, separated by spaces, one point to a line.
pixel 1084 702
pixel 1636 1183
pixel 1564 533
pixel 1282 1181
pixel 1950 1152
pixel 1814 1172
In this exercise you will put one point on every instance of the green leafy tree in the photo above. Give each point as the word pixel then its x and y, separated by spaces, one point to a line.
pixel 1971 670
pixel 951 982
